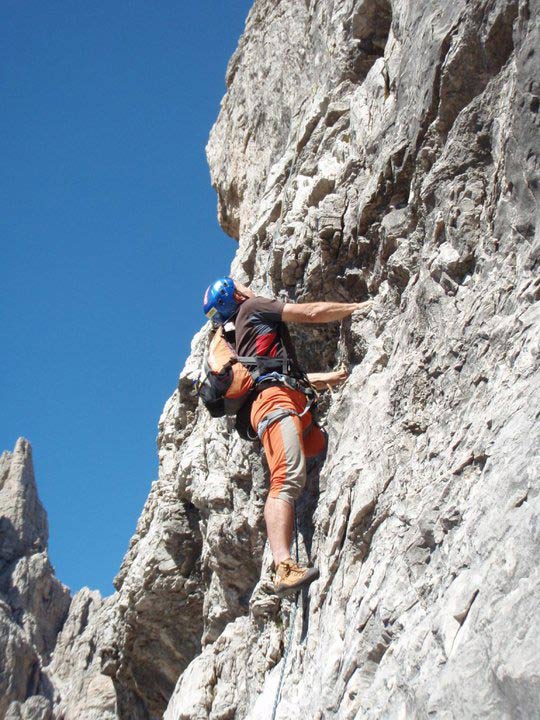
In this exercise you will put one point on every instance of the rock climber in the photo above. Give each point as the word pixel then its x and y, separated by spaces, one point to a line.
pixel 278 412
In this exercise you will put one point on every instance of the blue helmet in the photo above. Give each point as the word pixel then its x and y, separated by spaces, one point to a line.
pixel 219 301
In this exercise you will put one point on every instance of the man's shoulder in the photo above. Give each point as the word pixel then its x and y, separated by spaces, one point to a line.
pixel 261 304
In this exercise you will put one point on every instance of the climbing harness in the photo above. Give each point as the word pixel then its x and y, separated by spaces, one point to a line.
pixel 243 422
pixel 229 380
pixel 291 627
pixel 280 413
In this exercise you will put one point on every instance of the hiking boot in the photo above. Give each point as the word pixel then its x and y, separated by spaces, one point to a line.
pixel 291 577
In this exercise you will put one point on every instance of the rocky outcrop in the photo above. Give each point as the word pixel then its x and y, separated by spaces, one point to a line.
pixel 383 150
pixel 80 690
pixel 369 148
pixel 49 665
pixel 195 557
pixel 33 603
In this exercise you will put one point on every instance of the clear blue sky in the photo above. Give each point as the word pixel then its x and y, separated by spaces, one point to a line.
pixel 108 238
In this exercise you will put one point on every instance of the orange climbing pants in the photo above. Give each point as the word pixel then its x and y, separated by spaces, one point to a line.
pixel 288 441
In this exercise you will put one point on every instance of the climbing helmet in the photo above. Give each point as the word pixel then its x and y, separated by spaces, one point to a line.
pixel 219 302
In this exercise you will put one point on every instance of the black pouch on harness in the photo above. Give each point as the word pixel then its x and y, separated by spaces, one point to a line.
pixel 243 423
pixel 212 393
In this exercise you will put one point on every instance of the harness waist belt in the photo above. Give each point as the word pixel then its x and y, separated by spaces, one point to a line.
pixel 265 364
pixel 273 378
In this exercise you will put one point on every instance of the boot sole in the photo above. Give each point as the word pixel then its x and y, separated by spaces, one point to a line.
pixel 311 575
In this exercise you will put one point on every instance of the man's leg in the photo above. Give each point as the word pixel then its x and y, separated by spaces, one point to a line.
pixel 279 518
pixel 315 440
pixel 284 451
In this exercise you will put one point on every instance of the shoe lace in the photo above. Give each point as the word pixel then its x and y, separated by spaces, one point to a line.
pixel 291 568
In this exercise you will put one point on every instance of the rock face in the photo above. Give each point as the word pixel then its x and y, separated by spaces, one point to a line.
pixel 364 148
pixel 33 603
pixel 48 661
pixel 80 690
pixel 386 150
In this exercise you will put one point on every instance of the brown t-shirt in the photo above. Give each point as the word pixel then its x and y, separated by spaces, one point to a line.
pixel 260 331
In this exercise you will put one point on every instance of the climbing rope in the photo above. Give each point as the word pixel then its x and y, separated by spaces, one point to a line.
pixel 291 626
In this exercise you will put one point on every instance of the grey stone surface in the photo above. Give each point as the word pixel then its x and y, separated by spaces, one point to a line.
pixel 35 707
pixel 80 690
pixel 195 557
pixel 23 523
pixel 33 603
pixel 50 667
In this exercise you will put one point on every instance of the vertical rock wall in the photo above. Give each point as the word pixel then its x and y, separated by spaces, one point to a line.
pixel 385 150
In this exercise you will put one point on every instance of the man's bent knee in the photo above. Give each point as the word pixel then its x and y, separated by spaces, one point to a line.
pixel 288 494
pixel 286 459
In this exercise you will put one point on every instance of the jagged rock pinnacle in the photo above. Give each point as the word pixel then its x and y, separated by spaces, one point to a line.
pixel 48 661
pixel 23 523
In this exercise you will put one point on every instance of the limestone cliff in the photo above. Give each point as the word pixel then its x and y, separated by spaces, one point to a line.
pixel 383 150
pixel 374 149
pixel 33 604
pixel 48 641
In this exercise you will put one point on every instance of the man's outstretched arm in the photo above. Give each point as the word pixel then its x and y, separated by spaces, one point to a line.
pixel 325 380
pixel 322 312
